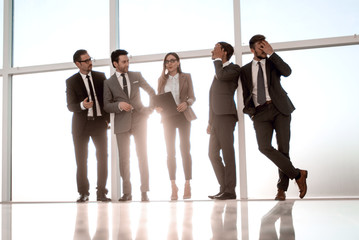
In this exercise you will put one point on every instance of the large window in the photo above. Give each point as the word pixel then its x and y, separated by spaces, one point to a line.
pixel 282 20
pixel 322 86
pixel 1 103
pixel 43 159
pixel 1 30
pixel 148 27
pixel 50 32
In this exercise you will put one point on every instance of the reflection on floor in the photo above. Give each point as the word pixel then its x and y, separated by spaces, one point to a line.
pixel 291 219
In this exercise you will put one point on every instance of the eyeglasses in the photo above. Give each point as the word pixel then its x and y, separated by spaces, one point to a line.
pixel 87 60
pixel 170 61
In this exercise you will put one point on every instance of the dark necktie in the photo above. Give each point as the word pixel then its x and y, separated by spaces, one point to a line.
pixel 124 84
pixel 261 94
pixel 92 96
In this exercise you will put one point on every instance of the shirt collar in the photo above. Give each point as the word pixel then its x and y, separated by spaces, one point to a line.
pixel 226 64
pixel 84 75
pixel 174 77
pixel 118 74
pixel 254 62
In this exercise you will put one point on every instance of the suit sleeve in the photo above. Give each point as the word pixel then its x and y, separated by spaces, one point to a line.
pixel 73 103
pixel 210 118
pixel 191 98
pixel 280 65
pixel 227 73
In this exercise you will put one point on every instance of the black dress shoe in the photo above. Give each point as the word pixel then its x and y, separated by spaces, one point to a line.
pixel 83 198
pixel 213 196
pixel 144 197
pixel 226 196
pixel 125 197
pixel 103 198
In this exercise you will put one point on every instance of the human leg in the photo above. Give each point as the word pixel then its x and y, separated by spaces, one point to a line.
pixel 226 126
pixel 184 130
pixel 81 154
pixel 100 142
pixel 216 160
pixel 140 137
pixel 123 143
pixel 170 139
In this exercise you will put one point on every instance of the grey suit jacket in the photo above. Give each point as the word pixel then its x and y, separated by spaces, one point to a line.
pixel 114 94
pixel 275 68
pixel 221 94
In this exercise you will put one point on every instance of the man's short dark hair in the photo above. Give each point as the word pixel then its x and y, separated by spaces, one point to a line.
pixel 254 39
pixel 227 48
pixel 78 54
pixel 116 54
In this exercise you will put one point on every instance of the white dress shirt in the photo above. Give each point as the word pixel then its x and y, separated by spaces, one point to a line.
pixel 90 111
pixel 172 86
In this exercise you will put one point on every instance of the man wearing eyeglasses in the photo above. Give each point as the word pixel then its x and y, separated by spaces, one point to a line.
pixel 84 92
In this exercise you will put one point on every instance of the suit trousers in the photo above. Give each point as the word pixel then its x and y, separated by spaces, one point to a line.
pixel 266 120
pixel 170 126
pixel 222 138
pixel 139 132
pixel 81 153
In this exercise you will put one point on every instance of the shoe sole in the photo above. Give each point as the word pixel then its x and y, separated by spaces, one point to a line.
pixel 122 200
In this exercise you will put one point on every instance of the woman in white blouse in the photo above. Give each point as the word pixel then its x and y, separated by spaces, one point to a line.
pixel 180 85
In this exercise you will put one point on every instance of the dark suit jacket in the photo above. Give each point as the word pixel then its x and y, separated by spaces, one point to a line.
pixel 275 68
pixel 221 94
pixel 186 94
pixel 76 93
pixel 114 94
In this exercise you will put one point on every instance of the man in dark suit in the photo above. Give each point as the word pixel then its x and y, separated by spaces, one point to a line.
pixel 122 97
pixel 84 92
pixel 268 105
pixel 222 120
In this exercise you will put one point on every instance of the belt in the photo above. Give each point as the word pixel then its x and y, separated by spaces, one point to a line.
pixel 267 102
pixel 264 104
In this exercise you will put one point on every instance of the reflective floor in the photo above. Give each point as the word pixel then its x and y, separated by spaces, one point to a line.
pixel 255 219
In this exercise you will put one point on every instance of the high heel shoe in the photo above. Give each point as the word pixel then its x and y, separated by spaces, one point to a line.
pixel 174 195
pixel 187 191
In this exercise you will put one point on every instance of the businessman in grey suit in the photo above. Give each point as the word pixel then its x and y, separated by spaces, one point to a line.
pixel 222 120
pixel 84 94
pixel 122 97
pixel 268 105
